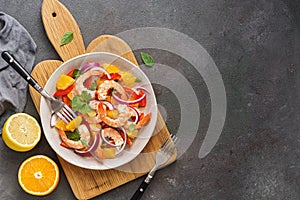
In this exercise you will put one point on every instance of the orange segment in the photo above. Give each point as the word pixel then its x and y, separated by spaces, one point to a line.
pixel 64 82
pixel 38 175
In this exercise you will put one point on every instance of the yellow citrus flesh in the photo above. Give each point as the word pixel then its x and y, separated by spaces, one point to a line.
pixel 64 82
pixel 74 123
pixel 112 69
pixel 21 132
pixel 38 175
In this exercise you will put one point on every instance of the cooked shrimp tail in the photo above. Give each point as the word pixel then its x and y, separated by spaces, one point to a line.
pixel 71 143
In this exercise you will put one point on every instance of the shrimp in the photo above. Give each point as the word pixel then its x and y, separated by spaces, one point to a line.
pixel 123 115
pixel 84 133
pixel 106 86
pixel 114 135
pixel 79 87
pixel 143 121
pixel 71 143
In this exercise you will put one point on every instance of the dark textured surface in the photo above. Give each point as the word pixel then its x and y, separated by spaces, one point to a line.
pixel 256 47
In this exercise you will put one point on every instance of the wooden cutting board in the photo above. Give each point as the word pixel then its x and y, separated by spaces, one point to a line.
pixel 86 183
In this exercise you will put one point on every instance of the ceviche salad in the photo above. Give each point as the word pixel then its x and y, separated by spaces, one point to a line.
pixel 109 104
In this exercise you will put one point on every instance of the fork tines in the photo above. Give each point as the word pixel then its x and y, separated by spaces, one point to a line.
pixel 169 145
pixel 66 114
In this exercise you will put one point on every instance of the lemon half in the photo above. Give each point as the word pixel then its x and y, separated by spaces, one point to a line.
pixel 21 132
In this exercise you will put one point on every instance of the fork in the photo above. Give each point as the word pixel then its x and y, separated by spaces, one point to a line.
pixel 63 111
pixel 163 154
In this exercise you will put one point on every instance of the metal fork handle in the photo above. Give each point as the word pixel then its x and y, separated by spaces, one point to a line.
pixel 21 70
pixel 140 191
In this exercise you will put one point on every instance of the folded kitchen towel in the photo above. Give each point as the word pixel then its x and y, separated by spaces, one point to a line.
pixel 13 89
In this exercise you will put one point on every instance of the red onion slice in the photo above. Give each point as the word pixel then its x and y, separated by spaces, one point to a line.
pixel 137 116
pixel 89 66
pixel 101 70
pixel 107 142
pixel 118 99
pixel 91 148
pixel 109 105
pixel 118 151
pixel 141 88
pixel 53 120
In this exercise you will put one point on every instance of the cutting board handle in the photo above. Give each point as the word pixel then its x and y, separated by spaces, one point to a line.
pixel 57 21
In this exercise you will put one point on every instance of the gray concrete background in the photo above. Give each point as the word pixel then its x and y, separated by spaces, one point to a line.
pixel 255 45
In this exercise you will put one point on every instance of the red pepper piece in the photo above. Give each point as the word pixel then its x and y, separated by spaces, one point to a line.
pixel 115 76
pixel 70 73
pixel 142 103
pixel 66 100
pixel 128 142
pixel 63 144
pixel 63 92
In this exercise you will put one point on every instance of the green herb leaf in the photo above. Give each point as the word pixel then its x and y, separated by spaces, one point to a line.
pixel 80 103
pixel 76 73
pixel 73 135
pixel 93 86
pixel 84 142
pixel 66 38
pixel 86 96
pixel 85 108
pixel 147 59
pixel 131 128
pixel 138 80
pixel 76 103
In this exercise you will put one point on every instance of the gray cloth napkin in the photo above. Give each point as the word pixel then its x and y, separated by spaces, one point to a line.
pixel 13 89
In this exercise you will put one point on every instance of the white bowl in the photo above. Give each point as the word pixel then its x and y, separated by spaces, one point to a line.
pixel 129 153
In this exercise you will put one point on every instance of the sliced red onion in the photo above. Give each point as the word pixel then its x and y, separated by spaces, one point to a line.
pixel 91 148
pixel 107 142
pixel 141 88
pixel 137 116
pixel 118 99
pixel 101 70
pixel 53 120
pixel 108 104
pixel 119 150
pixel 89 66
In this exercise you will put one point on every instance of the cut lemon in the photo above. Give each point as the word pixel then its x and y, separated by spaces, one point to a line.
pixel 21 132
pixel 38 175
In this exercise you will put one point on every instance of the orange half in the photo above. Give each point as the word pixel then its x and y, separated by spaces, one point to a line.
pixel 38 175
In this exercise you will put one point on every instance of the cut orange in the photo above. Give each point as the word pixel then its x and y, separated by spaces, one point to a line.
pixel 21 132
pixel 64 82
pixel 38 175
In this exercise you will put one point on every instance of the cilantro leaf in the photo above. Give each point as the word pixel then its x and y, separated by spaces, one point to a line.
pixel 138 80
pixel 80 103
pixel 147 59
pixel 85 108
pixel 73 135
pixel 93 86
pixel 76 73
pixel 66 38
pixel 131 127
pixel 85 96
pixel 84 142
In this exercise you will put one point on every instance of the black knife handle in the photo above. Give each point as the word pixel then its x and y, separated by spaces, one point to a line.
pixel 140 191
pixel 21 70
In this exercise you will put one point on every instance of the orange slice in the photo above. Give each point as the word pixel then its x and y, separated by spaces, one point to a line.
pixel 64 82
pixel 38 175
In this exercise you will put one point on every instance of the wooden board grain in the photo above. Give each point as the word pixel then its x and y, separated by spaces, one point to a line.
pixel 86 183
